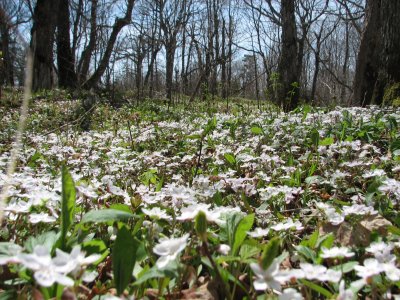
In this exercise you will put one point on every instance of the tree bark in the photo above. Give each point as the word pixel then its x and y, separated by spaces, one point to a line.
pixel 7 74
pixel 65 59
pixel 288 94
pixel 43 29
pixel 389 70
pixel 367 60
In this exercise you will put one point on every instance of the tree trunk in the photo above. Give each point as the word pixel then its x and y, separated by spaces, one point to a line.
pixel 223 63
pixel 7 74
pixel 288 70
pixel 169 71
pixel 367 60
pixel 389 70
pixel 65 59
pixel 43 29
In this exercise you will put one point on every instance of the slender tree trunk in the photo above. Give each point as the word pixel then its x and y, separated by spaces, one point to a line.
pixel 65 59
pixel 43 29
pixel 223 63
pixel 76 25
pixel 169 72
pixel 84 63
pixel 345 65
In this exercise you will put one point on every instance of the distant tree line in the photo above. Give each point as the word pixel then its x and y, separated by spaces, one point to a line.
pixel 317 51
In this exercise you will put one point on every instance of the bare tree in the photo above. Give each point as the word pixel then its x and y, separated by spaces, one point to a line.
pixel 116 28
pixel 173 17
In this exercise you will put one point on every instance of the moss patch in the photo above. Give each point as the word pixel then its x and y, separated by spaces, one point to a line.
pixel 392 95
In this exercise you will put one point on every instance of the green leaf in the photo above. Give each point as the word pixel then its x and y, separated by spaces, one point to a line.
pixel 229 228
pixel 346 267
pixel 395 145
pixel 9 248
pixel 271 251
pixel 249 248
pixel 317 288
pixel 10 294
pixel 312 242
pixel 170 271
pixel 194 137
pixel 230 158
pixel 326 241
pixel 327 141
pixel 315 137
pixel 47 239
pixel 256 130
pixel 121 207
pixel 314 180
pixel 106 215
pixel 200 225
pixel 67 205
pixel 150 274
pixel 393 229
pixel 94 246
pixel 244 225
pixel 306 252
pixel 123 258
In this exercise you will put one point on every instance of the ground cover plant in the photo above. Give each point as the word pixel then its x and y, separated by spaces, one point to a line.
pixel 215 203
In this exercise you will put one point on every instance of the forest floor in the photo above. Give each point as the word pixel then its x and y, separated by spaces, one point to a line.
pixel 201 202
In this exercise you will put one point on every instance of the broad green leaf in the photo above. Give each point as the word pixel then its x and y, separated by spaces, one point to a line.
pixel 67 205
pixel 393 229
pixel 9 248
pixel 150 274
pixel 230 158
pixel 94 246
pixel 327 141
pixel 306 252
pixel 121 207
pixel 314 180
pixel 256 130
pixel 47 239
pixel 326 241
pixel 170 271
pixel 241 231
pixel 249 248
pixel 106 215
pixel 346 267
pixel 317 288
pixel 232 221
pixel 271 251
pixel 123 258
